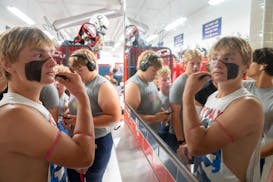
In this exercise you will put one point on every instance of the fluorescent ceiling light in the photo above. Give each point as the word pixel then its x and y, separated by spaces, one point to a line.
pixel 175 23
pixel 48 34
pixel 108 13
pixel 20 15
pixel 152 37
pixel 215 2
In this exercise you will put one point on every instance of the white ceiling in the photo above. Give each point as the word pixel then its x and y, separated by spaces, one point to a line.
pixel 154 15
pixel 66 16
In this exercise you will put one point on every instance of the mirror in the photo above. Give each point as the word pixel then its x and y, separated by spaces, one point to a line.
pixel 175 26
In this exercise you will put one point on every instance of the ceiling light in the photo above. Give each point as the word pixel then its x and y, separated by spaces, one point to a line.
pixel 108 13
pixel 48 34
pixel 152 37
pixel 215 2
pixel 175 23
pixel 20 15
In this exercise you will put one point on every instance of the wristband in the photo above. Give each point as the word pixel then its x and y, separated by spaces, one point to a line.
pixel 52 147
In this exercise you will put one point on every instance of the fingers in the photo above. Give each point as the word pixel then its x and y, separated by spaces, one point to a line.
pixel 68 121
pixel 67 77
pixel 205 75
pixel 71 120
pixel 201 76
pixel 66 125
pixel 183 152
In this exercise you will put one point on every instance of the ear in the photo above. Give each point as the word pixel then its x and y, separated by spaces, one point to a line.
pixel 246 68
pixel 6 66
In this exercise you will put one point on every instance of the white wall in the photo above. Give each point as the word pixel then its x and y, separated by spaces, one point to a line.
pixel 235 18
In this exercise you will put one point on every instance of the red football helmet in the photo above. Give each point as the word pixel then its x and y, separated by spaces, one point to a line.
pixel 87 35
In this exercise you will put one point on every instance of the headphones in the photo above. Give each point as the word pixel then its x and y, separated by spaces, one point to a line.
pixel 144 65
pixel 91 65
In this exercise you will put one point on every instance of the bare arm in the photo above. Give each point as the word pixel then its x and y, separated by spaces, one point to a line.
pixel 177 123
pixel 267 150
pixel 133 98
pixel 132 95
pixel 82 146
pixel 201 140
pixel 109 102
pixel 160 116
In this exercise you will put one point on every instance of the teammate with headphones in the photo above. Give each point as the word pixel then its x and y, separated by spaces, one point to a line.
pixel 148 61
pixel 106 109
pixel 141 92
pixel 91 65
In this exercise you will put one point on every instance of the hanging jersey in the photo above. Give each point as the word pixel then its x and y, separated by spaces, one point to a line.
pixel 211 166
pixel 55 173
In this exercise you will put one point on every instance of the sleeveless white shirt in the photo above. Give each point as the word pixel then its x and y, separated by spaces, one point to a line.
pixel 13 98
pixel 211 166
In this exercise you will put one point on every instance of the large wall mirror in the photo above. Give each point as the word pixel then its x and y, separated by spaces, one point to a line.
pixel 169 29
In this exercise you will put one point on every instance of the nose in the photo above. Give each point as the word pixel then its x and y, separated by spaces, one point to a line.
pixel 216 63
pixel 196 65
pixel 51 61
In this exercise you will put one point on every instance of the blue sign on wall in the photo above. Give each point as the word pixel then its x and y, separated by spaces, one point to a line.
pixel 178 40
pixel 212 28
pixel 160 44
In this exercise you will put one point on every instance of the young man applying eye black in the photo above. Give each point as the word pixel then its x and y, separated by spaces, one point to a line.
pixel 29 138
pixel 225 138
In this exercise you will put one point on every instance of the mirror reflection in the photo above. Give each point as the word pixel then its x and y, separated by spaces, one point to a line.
pixel 193 98
pixel 166 43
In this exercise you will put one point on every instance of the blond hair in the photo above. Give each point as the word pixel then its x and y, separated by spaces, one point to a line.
pixel 191 54
pixel 75 61
pixel 60 68
pixel 144 56
pixel 234 43
pixel 165 70
pixel 14 40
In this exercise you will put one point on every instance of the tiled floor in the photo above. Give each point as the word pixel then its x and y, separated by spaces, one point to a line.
pixel 112 172
pixel 128 163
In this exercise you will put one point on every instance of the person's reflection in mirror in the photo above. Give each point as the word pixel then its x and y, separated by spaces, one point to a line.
pixel 192 62
pixel 141 92
pixel 166 130
pixel 230 123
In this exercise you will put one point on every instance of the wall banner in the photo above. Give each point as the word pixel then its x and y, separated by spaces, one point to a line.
pixel 178 40
pixel 212 28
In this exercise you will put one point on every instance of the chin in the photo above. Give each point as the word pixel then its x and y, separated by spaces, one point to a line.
pixel 48 80
pixel 219 78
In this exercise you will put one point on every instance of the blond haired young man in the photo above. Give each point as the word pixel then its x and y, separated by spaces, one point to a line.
pixel 29 138
pixel 226 140
pixel 192 62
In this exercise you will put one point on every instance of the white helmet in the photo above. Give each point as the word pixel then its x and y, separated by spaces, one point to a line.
pixel 101 23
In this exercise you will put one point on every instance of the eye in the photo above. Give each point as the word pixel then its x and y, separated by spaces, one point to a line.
pixel 53 53
pixel 38 55
pixel 227 59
